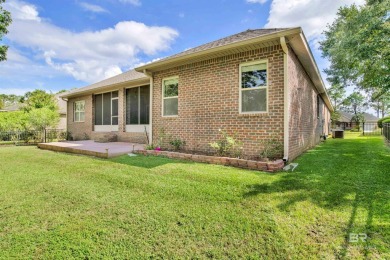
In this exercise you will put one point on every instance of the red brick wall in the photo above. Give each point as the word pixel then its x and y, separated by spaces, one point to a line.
pixel 79 130
pixel 305 128
pixel 209 100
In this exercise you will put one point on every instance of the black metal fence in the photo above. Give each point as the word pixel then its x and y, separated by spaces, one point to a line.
pixel 31 137
pixel 371 129
pixel 386 131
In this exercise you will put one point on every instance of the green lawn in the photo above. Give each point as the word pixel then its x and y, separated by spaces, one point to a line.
pixel 55 205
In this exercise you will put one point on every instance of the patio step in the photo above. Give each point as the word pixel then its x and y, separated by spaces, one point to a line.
pixel 106 138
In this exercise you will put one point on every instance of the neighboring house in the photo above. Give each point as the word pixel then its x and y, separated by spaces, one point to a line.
pixel 346 121
pixel 256 83
pixel 62 106
pixel 11 108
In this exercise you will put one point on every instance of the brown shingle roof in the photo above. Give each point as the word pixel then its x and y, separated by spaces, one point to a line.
pixel 121 78
pixel 347 117
pixel 13 107
pixel 242 36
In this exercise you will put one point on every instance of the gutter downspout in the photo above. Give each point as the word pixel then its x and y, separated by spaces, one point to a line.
pixel 286 100
pixel 150 75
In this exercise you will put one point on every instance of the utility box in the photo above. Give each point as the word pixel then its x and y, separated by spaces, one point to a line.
pixel 337 133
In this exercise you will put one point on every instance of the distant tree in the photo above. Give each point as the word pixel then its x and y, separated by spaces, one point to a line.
pixel 8 100
pixel 336 95
pixel 381 104
pixel 5 21
pixel 355 104
pixel 39 99
pixel 357 46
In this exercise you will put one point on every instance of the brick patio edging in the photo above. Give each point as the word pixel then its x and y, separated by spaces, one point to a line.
pixel 271 166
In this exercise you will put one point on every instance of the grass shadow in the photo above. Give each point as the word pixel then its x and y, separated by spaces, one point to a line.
pixel 145 161
pixel 343 174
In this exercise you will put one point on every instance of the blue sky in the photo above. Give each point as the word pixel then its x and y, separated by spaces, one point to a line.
pixel 58 44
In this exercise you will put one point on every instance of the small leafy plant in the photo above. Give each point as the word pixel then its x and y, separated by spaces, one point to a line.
pixel 150 147
pixel 227 145
pixel 161 138
pixel 177 144
pixel 271 147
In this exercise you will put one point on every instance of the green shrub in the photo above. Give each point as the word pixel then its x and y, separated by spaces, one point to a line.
pixel 380 121
pixel 177 144
pixel 356 129
pixel 227 145
pixel 150 147
pixel 13 121
pixel 272 147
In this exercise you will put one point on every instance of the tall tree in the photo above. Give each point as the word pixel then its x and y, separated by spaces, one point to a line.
pixel 357 45
pixel 381 104
pixel 39 99
pixel 336 95
pixel 5 21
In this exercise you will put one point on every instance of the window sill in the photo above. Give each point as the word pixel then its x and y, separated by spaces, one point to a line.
pixel 257 114
pixel 169 117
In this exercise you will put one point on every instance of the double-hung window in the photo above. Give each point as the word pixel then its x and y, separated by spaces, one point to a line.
pixel 253 87
pixel 79 111
pixel 170 96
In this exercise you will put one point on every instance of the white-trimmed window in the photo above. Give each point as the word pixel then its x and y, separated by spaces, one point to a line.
pixel 253 87
pixel 79 111
pixel 170 96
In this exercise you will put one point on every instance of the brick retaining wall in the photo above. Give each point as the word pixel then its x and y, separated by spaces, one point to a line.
pixel 271 166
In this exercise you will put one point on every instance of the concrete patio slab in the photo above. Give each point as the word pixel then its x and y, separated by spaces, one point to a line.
pixel 92 148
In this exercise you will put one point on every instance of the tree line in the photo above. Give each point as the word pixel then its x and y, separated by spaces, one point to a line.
pixel 38 110
pixel 357 44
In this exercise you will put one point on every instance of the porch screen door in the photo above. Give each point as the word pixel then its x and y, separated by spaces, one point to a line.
pixel 137 105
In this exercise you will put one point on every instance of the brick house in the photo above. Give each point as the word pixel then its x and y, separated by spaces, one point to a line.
pixel 257 84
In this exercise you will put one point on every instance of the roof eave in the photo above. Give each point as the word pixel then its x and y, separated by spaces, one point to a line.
pixel 163 63
pixel 301 48
pixel 105 88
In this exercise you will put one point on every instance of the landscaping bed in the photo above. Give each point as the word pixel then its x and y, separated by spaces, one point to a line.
pixel 269 166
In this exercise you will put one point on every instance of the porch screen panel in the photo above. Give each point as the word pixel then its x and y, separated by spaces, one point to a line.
pixel 144 105
pixel 132 106
pixel 107 108
pixel 98 109
pixel 115 103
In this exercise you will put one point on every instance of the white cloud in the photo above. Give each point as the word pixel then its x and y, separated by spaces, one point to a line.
pixel 89 56
pixel 256 1
pixel 15 91
pixel 133 2
pixel 92 8
pixel 22 10
pixel 311 15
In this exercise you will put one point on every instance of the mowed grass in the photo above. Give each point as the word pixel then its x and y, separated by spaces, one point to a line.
pixel 63 206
